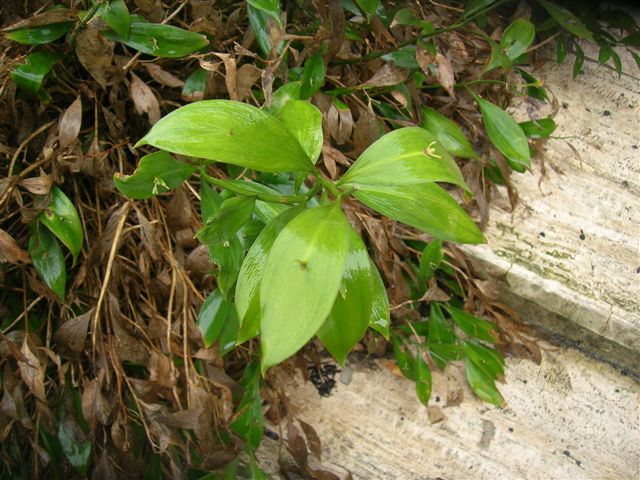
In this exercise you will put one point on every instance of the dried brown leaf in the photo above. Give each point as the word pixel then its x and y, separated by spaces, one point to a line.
pixel 96 55
pixel 247 76
pixel 230 75
pixel 445 75
pixel 32 371
pixel 340 123
pixel 367 130
pixel 72 334
pixel 435 414
pixel 70 123
pixel 94 406
pixel 424 59
pixel 143 99
pixel 297 446
pixel 315 445
pixel 58 15
pixel 324 475
pixel 163 77
pixel 189 419
pixel 39 185
pixel 387 76
pixel 10 251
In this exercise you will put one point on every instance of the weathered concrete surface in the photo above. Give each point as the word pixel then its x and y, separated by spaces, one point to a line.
pixel 569 254
pixel 570 418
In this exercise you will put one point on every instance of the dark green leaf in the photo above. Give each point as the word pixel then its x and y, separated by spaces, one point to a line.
pixel 368 6
pixel 448 133
pixel 605 54
pixel 229 132
pixel 313 76
pixel 212 317
pixel 407 156
pixel 579 61
pixel 473 7
pixel 116 15
pixel 567 20
pixel 157 173
pixel 31 74
pixel 251 272
pixel 506 135
pixel 224 225
pixel 482 384
pixel 304 121
pixel 515 41
pixel 160 40
pixel 380 319
pixel 423 379
pixel 48 259
pixel 270 7
pixel 486 358
pixel 62 219
pixel 636 58
pixel 404 57
pixel 432 256
pixel 535 88
pixel 561 50
pixel 41 34
pixel 78 453
pixel 195 85
pixel 444 353
pixel 617 63
pixel 301 280
pixel 442 338
pixel 406 362
pixel 261 23
pixel 541 128
pixel 249 422
pixel 349 318
pixel 228 338
pixel 427 207
pixel 632 40
pixel 473 326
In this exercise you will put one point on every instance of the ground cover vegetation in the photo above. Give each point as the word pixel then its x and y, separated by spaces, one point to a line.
pixel 200 200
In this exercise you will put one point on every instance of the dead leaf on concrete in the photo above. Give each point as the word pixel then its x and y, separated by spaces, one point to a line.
pixel 96 55
pixel 445 75
pixel 143 99
pixel 163 77
pixel 72 334
pixel 70 123
pixel 315 445
pixel 32 371
pixel 10 251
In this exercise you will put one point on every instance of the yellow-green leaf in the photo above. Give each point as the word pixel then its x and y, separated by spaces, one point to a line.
pixel 304 121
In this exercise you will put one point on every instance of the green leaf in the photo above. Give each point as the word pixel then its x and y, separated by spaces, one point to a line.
pixel 380 319
pixel 432 256
pixel 157 173
pixel 48 259
pixel 195 85
pixel 427 207
pixel 515 41
pixel 636 58
pixel 288 91
pixel 368 6
pixel 249 421
pixel 483 365
pixel 473 326
pixel 487 358
pixel 406 362
pixel 605 54
pixel 482 384
pixel 116 14
pixel 224 225
pixel 506 135
pixel 304 121
pixel 567 20
pixel 251 272
pixel 160 40
pixel 447 133
pixel 349 318
pixel 423 379
pixel 31 74
pixel 406 156
pixel 230 132
pixel 441 340
pixel 313 76
pixel 561 50
pixel 62 219
pixel 227 340
pixel 535 89
pixel 579 61
pixel 473 7
pixel 212 317
pixel 270 7
pixel 41 34
pixel 541 128
pixel 78 453
pixel 301 280
pixel 260 24
pixel 404 57
pixel 617 63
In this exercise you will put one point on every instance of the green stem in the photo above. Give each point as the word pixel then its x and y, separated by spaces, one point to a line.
pixel 330 186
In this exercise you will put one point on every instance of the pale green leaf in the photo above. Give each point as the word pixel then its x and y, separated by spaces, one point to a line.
pixel 304 121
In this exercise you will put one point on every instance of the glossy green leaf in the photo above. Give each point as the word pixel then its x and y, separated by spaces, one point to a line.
pixel 430 260
pixel 251 272
pixel 487 358
pixel 447 133
pixel 31 74
pixel 482 384
pixel 212 317
pixel 515 41
pixel 48 259
pixel 506 135
pixel 270 7
pixel 224 225
pixel 579 61
pixel 61 218
pixel 445 353
pixel 407 156
pixel 473 326
pixel 304 121
pixel 424 381
pixel 160 40
pixel 116 15
pixel 541 128
pixel 313 76
pixel 351 312
pixel 41 34
pixel 301 280
pixel 195 85
pixel 260 23
pixel 157 173
pixel 229 132
pixel 380 319
pixel 288 91
pixel 77 452
pixel 427 207
pixel 567 20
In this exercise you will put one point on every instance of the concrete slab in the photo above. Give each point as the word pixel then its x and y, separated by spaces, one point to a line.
pixel 569 254
pixel 572 417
